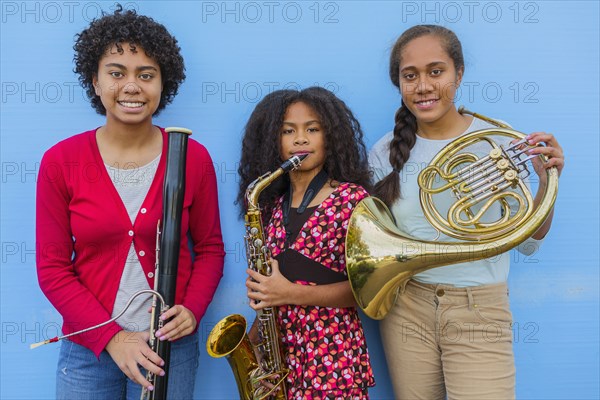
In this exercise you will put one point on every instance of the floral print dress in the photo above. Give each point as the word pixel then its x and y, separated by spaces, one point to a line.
pixel 324 347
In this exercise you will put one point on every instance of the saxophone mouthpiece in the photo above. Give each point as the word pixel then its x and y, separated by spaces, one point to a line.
pixel 293 162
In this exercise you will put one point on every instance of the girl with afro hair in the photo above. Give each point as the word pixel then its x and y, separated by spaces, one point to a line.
pixel 306 214
pixel 99 199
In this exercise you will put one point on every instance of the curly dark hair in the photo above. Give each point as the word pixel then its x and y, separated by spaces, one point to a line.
pixel 136 30
pixel 405 128
pixel 346 156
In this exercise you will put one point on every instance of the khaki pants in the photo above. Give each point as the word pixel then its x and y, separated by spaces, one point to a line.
pixel 440 341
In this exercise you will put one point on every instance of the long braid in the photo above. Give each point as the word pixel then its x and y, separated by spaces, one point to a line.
pixel 405 137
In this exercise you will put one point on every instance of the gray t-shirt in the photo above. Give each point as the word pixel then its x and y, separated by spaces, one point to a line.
pixel 133 185
pixel 411 220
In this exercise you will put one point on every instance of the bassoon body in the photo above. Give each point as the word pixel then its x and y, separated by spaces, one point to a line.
pixel 168 251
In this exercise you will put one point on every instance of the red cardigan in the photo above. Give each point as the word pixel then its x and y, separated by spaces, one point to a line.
pixel 83 235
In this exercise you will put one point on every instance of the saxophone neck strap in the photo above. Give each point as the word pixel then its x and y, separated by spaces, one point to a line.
pixel 313 188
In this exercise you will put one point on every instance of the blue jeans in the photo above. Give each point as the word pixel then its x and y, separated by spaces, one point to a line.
pixel 81 376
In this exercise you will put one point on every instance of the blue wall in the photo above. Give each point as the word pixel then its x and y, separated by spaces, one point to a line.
pixel 534 64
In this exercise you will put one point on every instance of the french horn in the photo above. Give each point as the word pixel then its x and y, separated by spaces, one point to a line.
pixel 380 259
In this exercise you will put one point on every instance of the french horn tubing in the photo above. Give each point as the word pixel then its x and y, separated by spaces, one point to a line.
pixel 380 259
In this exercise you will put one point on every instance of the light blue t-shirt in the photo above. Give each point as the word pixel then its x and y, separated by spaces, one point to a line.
pixel 411 219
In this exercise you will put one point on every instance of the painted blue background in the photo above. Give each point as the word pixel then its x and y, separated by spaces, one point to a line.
pixel 531 63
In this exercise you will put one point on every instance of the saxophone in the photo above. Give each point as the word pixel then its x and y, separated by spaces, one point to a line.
pixel 229 338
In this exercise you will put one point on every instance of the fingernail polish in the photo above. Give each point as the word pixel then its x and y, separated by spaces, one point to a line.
pixel 150 388
pixel 162 373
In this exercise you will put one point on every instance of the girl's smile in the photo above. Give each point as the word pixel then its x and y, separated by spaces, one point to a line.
pixel 129 85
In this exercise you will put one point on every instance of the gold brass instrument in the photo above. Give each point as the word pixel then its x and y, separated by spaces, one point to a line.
pixel 229 338
pixel 380 259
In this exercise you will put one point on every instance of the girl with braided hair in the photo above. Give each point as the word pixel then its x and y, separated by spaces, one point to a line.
pixel 437 336
pixel 306 219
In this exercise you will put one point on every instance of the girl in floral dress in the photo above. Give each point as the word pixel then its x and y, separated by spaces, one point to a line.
pixel 306 217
